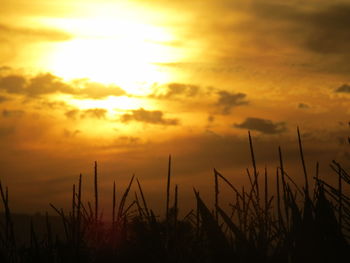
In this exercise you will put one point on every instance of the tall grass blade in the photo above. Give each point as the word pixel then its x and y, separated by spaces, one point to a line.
pixel 303 164
pixel 96 191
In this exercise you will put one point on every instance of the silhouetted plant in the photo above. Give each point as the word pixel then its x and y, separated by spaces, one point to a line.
pixel 288 224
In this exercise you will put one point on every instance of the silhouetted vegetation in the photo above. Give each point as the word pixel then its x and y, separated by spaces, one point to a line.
pixel 289 223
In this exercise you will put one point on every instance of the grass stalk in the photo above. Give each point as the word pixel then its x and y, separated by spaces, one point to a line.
pixel 168 188
pixel 216 185
pixel 96 192
pixel 303 164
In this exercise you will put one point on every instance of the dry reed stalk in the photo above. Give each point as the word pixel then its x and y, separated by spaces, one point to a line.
pixel 197 219
pixel 340 199
pixel 175 208
pixel 78 225
pixel 48 231
pixel 244 209
pixel 128 208
pixel 96 192
pixel 33 239
pixel 254 167
pixel 139 208
pixel 167 204
pixel 216 185
pixel 285 201
pixel 316 185
pixel 303 163
pixel 9 228
pixel 266 192
pixel 143 200
pixel 73 203
pixel 123 200
pixel 228 183
pixel 279 213
pixel 168 189
pixel 113 207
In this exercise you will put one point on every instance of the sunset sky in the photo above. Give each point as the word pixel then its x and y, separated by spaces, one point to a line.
pixel 127 83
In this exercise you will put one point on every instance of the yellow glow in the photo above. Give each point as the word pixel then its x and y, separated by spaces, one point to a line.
pixel 112 50
pixel 111 104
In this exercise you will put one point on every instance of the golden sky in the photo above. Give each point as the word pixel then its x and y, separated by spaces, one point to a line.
pixel 128 82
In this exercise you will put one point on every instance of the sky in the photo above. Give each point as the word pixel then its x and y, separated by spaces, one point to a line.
pixel 126 83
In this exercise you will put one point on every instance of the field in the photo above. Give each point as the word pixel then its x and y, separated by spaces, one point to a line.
pixel 283 222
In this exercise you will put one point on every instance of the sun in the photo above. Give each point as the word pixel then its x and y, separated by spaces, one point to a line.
pixel 112 50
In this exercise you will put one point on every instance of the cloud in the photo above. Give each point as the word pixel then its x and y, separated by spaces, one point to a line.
pixel 13 84
pixel 152 117
pixel 172 90
pixel 72 114
pixel 45 34
pixel 5 68
pixel 96 113
pixel 229 100
pixel 6 131
pixel 98 91
pixel 70 134
pixel 211 118
pixel 318 35
pixel 3 99
pixel 45 84
pixel 269 34
pixel 303 106
pixel 52 105
pixel 12 113
pixel 35 86
pixel 262 125
pixel 329 30
pixel 343 89
pixel 322 29
pixel 127 141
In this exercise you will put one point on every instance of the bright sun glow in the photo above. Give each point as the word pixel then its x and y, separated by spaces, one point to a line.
pixel 112 50
pixel 111 104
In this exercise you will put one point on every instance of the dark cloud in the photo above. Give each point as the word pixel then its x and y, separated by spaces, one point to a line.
pixel 70 134
pixel 44 84
pixel 303 106
pixel 5 68
pixel 12 113
pixel 72 114
pixel 3 99
pixel 229 100
pixel 47 104
pixel 95 113
pixel 306 36
pixel 99 91
pixel 176 89
pixel 13 84
pixel 322 29
pixel 211 118
pixel 343 89
pixel 6 131
pixel 152 117
pixel 262 125
pixel 329 30
pixel 35 86
pixel 34 33
pixel 127 140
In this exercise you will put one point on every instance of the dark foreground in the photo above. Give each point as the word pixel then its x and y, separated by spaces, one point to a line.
pixel 289 223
